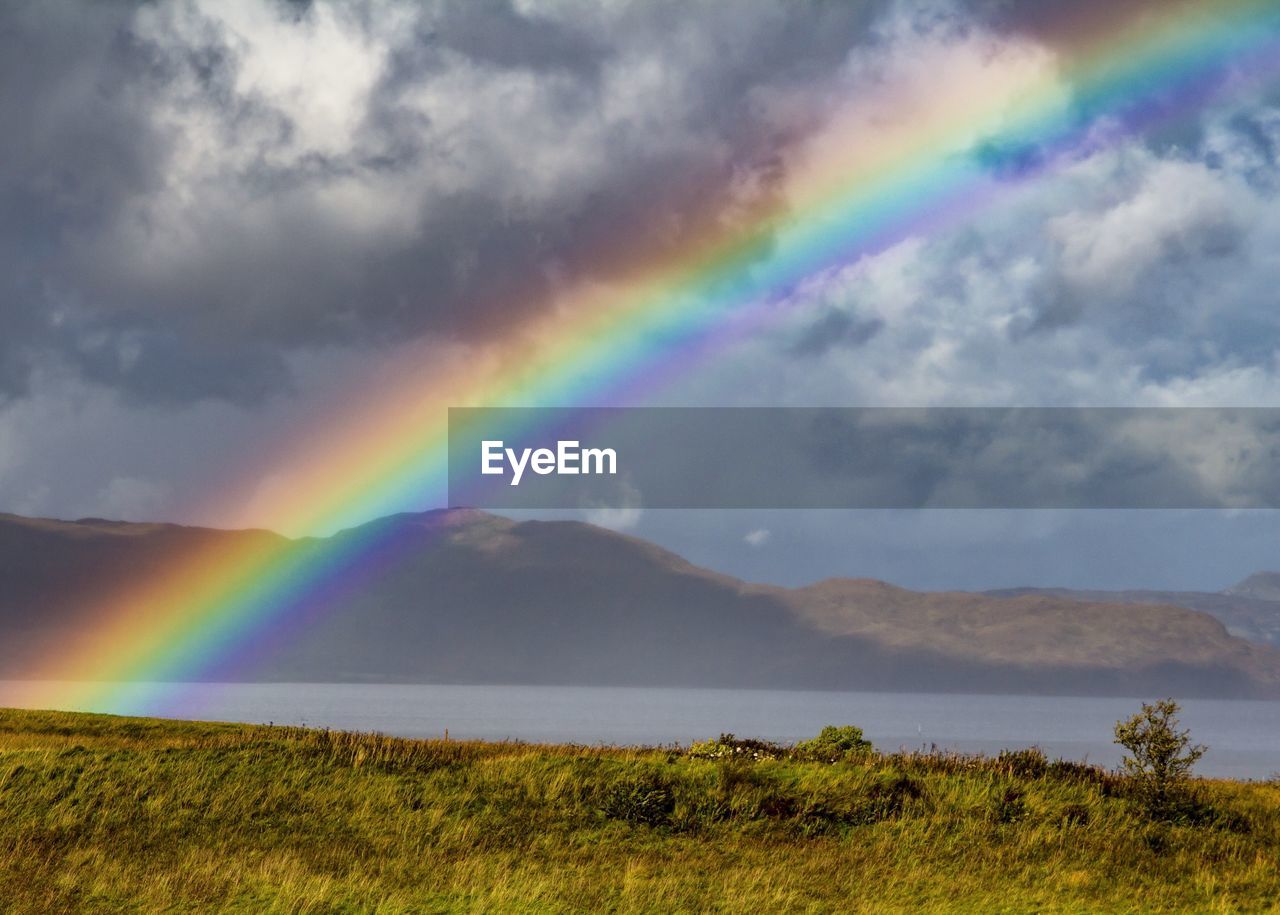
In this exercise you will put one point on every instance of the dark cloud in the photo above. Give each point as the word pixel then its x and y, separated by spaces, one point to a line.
pixel 493 32
pixel 1077 23
pixel 194 192
pixel 180 212
pixel 175 368
pixel 73 149
pixel 836 329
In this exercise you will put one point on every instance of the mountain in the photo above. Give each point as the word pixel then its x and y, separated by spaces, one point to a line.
pixel 1250 609
pixel 53 574
pixel 1260 586
pixel 462 596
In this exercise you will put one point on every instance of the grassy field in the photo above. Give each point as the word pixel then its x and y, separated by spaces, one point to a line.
pixel 115 814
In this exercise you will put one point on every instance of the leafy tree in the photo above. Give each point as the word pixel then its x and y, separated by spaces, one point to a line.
pixel 1161 756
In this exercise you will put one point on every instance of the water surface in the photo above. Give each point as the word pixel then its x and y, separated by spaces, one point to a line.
pixel 1243 736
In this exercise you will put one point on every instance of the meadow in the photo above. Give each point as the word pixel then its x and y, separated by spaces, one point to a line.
pixel 107 814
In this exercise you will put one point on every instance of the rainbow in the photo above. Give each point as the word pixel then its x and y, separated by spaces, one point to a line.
pixel 383 449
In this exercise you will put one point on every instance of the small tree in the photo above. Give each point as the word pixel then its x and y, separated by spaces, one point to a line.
pixel 1162 756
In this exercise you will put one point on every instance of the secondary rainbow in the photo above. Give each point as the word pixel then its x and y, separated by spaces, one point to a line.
pixel 383 449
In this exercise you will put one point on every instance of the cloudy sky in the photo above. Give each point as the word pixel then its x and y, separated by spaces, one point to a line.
pixel 218 217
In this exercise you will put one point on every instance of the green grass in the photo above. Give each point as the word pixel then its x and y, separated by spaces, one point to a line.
pixel 116 815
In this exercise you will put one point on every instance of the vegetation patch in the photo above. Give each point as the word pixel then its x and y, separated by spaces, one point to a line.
pixel 114 815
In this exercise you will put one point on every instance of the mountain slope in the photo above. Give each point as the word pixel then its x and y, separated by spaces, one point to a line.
pixel 462 596
pixel 1259 586
pixel 1241 608
pixel 54 575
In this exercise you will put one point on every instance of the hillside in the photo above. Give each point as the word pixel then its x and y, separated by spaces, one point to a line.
pixel 53 574
pixel 122 815
pixel 1260 586
pixel 1034 629
pixel 463 596
pixel 1250 609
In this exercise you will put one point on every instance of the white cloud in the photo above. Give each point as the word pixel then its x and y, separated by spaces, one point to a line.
pixel 757 538
pixel 616 519
pixel 624 514
pixel 1133 277
pixel 1178 208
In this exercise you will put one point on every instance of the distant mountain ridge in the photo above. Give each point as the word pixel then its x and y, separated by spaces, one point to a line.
pixel 1260 586
pixel 468 597
pixel 1249 609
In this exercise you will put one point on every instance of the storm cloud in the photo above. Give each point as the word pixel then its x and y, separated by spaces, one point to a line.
pixel 192 189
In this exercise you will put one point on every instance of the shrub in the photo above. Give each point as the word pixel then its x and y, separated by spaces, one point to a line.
pixel 887 797
pixel 729 747
pixel 834 743
pixel 646 800
pixel 1028 763
pixel 1161 759
pixel 1008 805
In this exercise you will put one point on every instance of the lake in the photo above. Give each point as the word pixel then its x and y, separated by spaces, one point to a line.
pixel 1243 736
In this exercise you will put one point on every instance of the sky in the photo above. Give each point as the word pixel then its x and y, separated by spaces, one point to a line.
pixel 219 218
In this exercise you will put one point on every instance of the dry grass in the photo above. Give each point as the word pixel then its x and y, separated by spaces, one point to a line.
pixel 121 815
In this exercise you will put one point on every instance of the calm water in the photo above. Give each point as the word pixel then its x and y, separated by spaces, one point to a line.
pixel 1244 737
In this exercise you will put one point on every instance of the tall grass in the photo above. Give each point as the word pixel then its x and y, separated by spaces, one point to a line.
pixel 115 814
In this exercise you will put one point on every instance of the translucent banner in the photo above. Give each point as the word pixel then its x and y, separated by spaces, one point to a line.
pixel 1139 458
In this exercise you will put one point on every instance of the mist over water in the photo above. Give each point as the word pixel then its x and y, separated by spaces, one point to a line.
pixel 1243 736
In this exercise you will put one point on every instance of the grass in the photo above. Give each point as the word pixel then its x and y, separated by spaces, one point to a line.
pixel 109 814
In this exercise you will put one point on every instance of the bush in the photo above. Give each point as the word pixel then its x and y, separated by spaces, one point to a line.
pixel 729 747
pixel 1009 805
pixel 1028 763
pixel 1161 759
pixel 834 743
pixel 645 800
pixel 887 797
